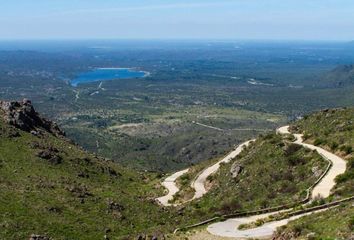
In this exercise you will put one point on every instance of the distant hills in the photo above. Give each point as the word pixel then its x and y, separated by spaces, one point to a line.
pixel 52 189
pixel 341 76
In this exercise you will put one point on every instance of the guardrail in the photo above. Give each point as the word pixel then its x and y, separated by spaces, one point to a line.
pixel 244 214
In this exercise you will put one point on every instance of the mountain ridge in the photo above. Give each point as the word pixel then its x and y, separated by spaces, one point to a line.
pixel 23 116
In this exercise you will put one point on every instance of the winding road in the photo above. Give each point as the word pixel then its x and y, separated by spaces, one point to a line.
pixel 229 228
pixel 199 183
pixel 170 184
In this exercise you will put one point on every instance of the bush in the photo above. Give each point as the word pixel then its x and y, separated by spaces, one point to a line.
pixel 318 141
pixel 306 136
pixel 351 224
pixel 259 222
pixel 349 174
pixel 210 178
pixel 350 163
pixel 348 149
pixel 295 160
pixel 231 206
pixel 345 177
pixel 298 229
pixel 334 145
pixel 291 149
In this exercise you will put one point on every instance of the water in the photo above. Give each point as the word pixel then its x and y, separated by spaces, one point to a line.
pixel 106 74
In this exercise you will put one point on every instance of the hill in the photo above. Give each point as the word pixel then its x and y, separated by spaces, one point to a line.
pixel 341 76
pixel 250 181
pixel 332 129
pixel 52 188
pixel 231 189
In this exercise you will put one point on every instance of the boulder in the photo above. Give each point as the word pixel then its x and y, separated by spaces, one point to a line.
pixel 235 170
pixel 50 155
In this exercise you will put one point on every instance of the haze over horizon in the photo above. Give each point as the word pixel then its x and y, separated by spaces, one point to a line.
pixel 171 19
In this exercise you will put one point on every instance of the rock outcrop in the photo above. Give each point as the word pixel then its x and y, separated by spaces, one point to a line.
pixel 38 237
pixel 23 116
pixel 235 170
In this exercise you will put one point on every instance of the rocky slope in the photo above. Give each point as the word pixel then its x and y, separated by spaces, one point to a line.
pixel 52 189
pixel 23 116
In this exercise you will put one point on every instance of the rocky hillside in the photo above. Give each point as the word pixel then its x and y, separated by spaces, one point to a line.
pixel 23 116
pixel 52 189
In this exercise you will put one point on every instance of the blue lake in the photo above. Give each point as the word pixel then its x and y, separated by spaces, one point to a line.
pixel 106 74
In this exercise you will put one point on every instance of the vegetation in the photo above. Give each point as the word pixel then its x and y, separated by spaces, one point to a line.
pixel 333 129
pixel 147 123
pixel 336 223
pixel 165 139
pixel 184 182
pixel 150 124
pixel 260 185
pixel 69 194
pixel 44 195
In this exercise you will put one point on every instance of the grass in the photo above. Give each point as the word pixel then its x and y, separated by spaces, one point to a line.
pixel 85 197
pixel 336 223
pixel 260 184
pixel 184 182
pixel 80 198
pixel 165 138
pixel 333 129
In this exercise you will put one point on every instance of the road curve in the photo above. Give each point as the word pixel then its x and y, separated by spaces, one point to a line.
pixel 323 188
pixel 229 228
pixel 199 183
pixel 170 184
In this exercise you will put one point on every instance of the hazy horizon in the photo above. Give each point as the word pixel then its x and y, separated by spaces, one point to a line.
pixel 303 20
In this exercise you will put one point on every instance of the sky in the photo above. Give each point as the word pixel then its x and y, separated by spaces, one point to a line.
pixel 178 19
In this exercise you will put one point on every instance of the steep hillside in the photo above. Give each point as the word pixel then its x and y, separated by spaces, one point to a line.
pixel 270 172
pixel 333 129
pixel 336 223
pixel 50 187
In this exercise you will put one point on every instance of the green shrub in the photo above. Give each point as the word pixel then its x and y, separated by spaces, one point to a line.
pixel 259 222
pixel 306 136
pixel 294 160
pixel 318 141
pixel 291 149
pixel 349 175
pixel 348 149
pixel 351 224
pixel 334 145
pixel 230 206
pixel 210 178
